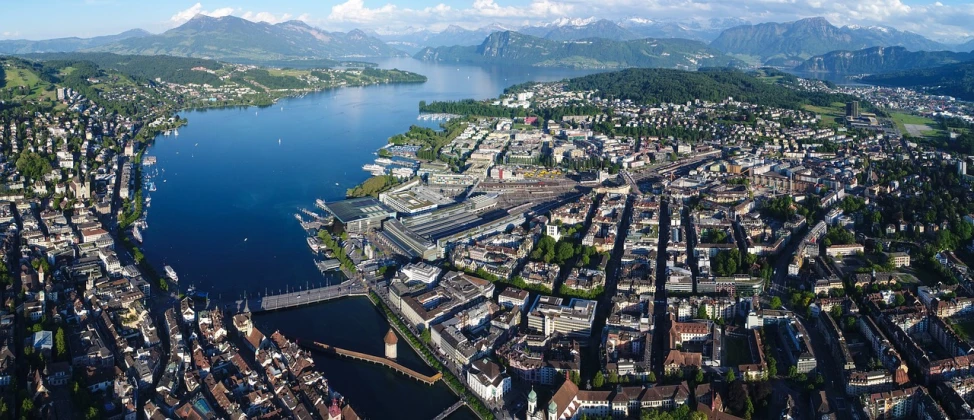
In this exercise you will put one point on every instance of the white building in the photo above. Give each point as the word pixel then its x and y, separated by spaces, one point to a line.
pixel 421 272
pixel 488 380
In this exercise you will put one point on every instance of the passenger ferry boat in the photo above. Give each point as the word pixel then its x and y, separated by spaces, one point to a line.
pixel 172 274
pixel 383 161
pixel 136 233
pixel 374 169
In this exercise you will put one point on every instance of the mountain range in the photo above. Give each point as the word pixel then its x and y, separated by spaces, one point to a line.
pixel 23 46
pixel 790 43
pixel 880 60
pixel 595 53
pixel 564 29
pixel 235 39
pixel 813 44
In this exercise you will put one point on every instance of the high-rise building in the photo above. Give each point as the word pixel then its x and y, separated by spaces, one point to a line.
pixel 852 109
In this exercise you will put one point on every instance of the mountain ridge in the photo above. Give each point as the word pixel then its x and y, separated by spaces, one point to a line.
pixel 68 44
pixel 515 48
pixel 235 39
pixel 880 60
pixel 793 42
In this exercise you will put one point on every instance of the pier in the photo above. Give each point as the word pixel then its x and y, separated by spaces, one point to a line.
pixel 429 380
pixel 299 298
pixel 449 410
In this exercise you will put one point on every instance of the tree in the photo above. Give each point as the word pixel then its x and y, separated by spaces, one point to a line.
pixel 899 300
pixel 574 377
pixel 836 311
pixel 702 312
pixel 731 377
pixel 748 408
pixel 772 367
pixel 651 377
pixel 60 344
pixel 598 380
pixel 564 251
pixel 613 377
pixel 776 302
pixel 699 377
pixel 792 371
pixel 426 335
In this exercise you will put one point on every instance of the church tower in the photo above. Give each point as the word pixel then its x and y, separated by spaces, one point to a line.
pixel 552 410
pixel 532 402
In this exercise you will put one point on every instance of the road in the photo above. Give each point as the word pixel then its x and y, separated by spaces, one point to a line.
pixel 661 321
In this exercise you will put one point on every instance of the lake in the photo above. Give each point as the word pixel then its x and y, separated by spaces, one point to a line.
pixel 232 179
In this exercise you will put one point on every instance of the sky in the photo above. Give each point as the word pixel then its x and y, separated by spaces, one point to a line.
pixel 944 20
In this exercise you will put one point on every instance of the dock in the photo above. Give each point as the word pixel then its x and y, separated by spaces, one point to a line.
pixel 327 265
pixel 299 298
pixel 429 380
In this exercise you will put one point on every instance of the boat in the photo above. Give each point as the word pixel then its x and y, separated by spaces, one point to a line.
pixel 151 186
pixel 314 243
pixel 298 216
pixel 383 161
pixel 171 273
pixel 374 169
pixel 278 141
pixel 245 239
pixel 197 144
pixel 136 233
pixel 176 132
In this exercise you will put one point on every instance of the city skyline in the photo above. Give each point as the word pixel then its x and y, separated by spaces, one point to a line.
pixel 947 21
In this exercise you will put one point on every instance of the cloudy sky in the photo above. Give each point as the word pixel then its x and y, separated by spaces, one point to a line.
pixel 949 20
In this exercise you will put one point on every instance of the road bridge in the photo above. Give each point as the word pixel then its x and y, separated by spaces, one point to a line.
pixel 298 298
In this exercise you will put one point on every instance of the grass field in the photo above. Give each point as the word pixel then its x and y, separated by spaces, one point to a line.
pixel 965 328
pixel 914 124
pixel 829 114
pixel 737 351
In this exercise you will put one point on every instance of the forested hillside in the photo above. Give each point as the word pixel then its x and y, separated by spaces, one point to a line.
pixel 677 86
pixel 147 67
pixel 955 80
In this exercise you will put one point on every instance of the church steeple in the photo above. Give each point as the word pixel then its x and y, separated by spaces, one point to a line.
pixel 532 402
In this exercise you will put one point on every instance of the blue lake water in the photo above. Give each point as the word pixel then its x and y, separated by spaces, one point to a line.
pixel 222 216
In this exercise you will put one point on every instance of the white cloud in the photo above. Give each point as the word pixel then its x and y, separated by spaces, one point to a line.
pixel 272 18
pixel 197 9
pixel 10 34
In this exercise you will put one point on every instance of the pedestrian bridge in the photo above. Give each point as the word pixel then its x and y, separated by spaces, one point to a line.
pixel 325 348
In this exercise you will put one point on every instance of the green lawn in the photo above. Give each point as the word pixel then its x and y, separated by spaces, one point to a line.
pixel 902 120
pixel 830 113
pixel 965 328
pixel 736 351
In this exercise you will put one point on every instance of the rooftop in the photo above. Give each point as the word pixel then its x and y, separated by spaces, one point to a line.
pixel 358 208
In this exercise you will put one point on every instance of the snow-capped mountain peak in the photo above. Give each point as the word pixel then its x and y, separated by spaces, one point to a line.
pixel 572 21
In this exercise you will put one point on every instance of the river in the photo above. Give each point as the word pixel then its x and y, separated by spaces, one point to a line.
pixel 232 179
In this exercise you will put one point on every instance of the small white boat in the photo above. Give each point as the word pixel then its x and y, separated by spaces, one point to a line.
pixel 245 239
pixel 278 141
pixel 197 144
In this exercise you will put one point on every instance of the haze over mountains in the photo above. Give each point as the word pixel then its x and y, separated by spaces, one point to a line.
pixel 520 49
pixel 813 45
